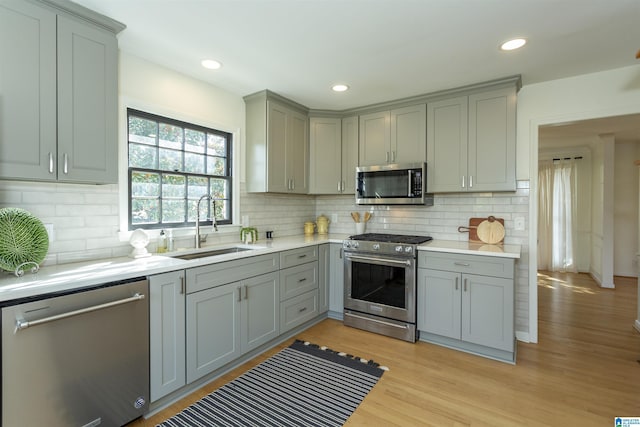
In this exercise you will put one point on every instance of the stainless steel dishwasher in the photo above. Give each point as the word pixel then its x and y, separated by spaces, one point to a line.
pixel 77 359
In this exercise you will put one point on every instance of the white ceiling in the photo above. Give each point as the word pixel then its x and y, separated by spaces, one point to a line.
pixel 383 49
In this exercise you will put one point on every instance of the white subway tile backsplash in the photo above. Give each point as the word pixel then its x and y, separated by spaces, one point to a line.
pixel 86 220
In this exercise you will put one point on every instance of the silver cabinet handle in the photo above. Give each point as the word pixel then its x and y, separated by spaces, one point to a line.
pixel 465 284
pixel 302 309
pixel 24 324
pixel 293 184
pixel 342 189
pixel 239 294
pixel 50 162
pixel 379 260
pixel 470 181
pixel 304 279
pixel 461 264
pixel 245 290
pixel 182 285
pixel 393 156
pixel 463 177
pixel 457 278
pixel 386 157
pixel 340 253
pixel 339 186
pixel 302 256
pixel 65 168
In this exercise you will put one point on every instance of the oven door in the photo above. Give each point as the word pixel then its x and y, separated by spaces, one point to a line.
pixel 381 285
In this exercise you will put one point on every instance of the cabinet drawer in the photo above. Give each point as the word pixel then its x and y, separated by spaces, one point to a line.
pixel 297 310
pixel 209 276
pixel 298 280
pixel 298 256
pixel 475 264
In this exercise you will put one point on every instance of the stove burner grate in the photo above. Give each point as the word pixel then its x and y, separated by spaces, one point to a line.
pixel 392 238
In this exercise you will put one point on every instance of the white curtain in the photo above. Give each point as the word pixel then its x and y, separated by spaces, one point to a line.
pixel 557 201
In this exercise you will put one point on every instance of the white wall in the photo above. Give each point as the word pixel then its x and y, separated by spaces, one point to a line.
pixel 626 209
pixel 603 94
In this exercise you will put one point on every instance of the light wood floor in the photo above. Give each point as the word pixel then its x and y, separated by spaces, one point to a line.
pixel 584 370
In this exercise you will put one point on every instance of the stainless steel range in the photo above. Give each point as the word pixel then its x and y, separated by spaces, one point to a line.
pixel 380 283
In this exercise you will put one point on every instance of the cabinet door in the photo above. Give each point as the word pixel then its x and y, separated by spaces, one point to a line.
pixel 166 333
pixel 213 329
pixel 298 153
pixel 349 154
pixel 447 145
pixel 336 281
pixel 439 302
pixel 324 273
pixel 492 141
pixel 278 180
pixel 409 134
pixel 87 103
pixel 375 139
pixel 487 311
pixel 27 91
pixel 326 155
pixel 260 310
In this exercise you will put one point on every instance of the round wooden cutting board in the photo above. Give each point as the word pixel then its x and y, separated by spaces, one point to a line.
pixel 490 231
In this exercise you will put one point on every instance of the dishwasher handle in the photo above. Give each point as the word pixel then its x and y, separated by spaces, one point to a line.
pixel 24 324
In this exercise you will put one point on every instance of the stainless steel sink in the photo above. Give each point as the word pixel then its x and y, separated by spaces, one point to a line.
pixel 214 252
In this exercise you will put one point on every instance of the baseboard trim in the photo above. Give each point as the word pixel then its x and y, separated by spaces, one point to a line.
pixel 523 336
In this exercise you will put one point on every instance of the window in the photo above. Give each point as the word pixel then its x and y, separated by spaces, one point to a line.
pixel 172 164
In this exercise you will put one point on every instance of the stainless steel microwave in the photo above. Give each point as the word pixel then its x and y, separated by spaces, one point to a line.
pixel 393 184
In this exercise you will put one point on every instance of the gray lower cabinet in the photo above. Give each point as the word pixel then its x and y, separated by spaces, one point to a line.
pixel 324 275
pixel 336 281
pixel 59 94
pixel 166 333
pixel 467 302
pixel 299 298
pixel 231 308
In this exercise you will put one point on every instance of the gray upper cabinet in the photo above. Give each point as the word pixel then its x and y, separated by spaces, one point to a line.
pixel 471 142
pixel 395 136
pixel 334 155
pixel 27 90
pixel 58 93
pixel 87 103
pixel 277 145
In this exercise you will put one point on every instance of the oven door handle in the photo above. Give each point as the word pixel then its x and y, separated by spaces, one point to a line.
pixel 379 260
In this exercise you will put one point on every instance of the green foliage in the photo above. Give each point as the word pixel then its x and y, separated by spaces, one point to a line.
pixel 24 238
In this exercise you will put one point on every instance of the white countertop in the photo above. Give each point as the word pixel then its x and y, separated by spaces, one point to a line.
pixel 65 277
pixel 467 248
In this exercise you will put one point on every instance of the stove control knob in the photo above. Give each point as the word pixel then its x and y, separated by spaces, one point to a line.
pixel 375 246
pixel 408 249
pixel 398 248
pixel 355 245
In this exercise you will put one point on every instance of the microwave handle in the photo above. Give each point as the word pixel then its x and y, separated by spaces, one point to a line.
pixel 409 192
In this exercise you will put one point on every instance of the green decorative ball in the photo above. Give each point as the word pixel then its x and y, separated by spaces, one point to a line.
pixel 23 238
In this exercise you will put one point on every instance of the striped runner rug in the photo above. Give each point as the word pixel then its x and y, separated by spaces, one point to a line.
pixel 302 385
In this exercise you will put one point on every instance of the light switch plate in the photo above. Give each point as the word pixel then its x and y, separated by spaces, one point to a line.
pixel 518 223
pixel 49 228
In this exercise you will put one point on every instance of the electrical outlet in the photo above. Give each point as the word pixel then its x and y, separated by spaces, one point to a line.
pixel 49 228
pixel 518 223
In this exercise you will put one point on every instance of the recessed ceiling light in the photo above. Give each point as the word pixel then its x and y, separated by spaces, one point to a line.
pixel 339 88
pixel 211 64
pixel 513 44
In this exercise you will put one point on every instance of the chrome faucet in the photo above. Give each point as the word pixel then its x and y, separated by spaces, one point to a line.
pixel 215 225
